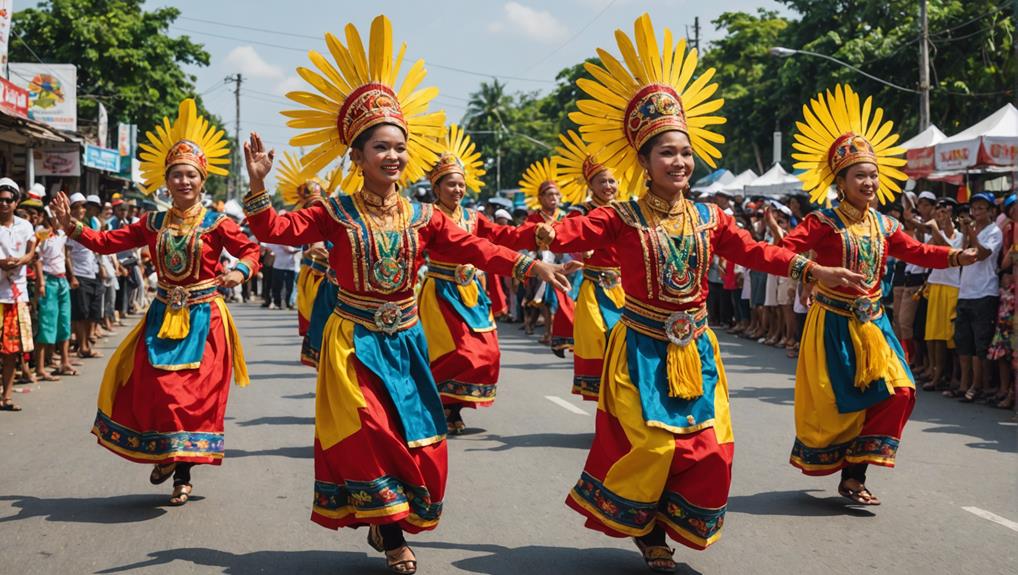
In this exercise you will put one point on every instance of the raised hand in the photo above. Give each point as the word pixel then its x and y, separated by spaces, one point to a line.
pixel 553 274
pixel 61 208
pixel 259 161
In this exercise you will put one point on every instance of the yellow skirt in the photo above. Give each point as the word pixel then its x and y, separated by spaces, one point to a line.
pixel 308 280
pixel 940 313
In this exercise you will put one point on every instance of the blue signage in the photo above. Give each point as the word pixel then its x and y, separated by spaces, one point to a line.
pixel 102 158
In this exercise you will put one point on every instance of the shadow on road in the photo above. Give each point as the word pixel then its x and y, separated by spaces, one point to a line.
pixel 537 559
pixel 275 362
pixel 980 422
pixel 775 395
pixel 303 562
pixel 102 510
pixel 299 452
pixel 278 420
pixel 308 395
pixel 560 440
pixel 797 503
pixel 537 366
pixel 285 376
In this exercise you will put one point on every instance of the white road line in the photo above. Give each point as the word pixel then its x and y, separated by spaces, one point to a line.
pixel 565 405
pixel 1013 526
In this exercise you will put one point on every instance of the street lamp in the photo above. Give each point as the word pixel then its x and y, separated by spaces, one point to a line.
pixel 781 52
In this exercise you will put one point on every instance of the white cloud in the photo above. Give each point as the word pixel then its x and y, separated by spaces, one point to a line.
pixel 247 61
pixel 536 24
pixel 292 83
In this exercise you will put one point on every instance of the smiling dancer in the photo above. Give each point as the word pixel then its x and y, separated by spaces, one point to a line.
pixel 854 391
pixel 661 461
pixel 164 393
pixel 380 450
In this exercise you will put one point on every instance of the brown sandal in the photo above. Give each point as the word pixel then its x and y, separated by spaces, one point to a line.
pixel 160 473
pixel 404 567
pixel 657 557
pixel 861 496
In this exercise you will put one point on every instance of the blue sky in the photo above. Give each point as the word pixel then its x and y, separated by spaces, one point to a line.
pixel 524 42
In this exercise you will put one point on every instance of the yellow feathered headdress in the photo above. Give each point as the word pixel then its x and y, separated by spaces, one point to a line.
pixel 577 163
pixel 190 140
pixel 837 133
pixel 544 174
pixel 356 91
pixel 654 92
pixel 293 179
pixel 459 156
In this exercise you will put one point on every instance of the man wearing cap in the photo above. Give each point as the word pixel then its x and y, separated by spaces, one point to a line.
pixel 128 260
pixel 83 277
pixel 978 296
pixel 909 311
pixel 17 249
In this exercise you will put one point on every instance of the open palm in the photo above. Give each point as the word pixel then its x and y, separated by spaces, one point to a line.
pixel 259 161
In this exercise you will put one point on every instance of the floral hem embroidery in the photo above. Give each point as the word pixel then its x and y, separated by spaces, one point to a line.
pixel 586 386
pixel 154 444
pixel 382 496
pixel 467 391
pixel 703 522
pixel 878 449
pixel 633 515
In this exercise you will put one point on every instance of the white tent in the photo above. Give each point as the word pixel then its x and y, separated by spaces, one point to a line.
pixel 738 182
pixel 993 142
pixel 775 182
pixel 706 184
pixel 919 152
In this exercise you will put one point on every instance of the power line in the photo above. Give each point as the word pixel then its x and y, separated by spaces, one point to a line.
pixel 574 36
pixel 252 28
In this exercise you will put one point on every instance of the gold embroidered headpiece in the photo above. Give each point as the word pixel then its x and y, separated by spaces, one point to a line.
pixel 578 164
pixel 356 91
pixel 652 93
pixel 190 139
pixel 836 132
pixel 459 156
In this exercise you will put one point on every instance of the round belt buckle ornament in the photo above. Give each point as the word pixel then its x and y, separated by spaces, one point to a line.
pixel 864 309
pixel 680 327
pixel 387 317
pixel 608 279
pixel 465 274
pixel 177 298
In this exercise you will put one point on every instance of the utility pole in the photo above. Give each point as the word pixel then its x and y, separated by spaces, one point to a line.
pixel 236 162
pixel 924 67
pixel 696 33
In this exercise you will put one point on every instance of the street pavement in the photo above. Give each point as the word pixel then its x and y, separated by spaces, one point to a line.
pixel 68 506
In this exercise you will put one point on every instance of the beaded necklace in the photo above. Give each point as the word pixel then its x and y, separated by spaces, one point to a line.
pixel 388 262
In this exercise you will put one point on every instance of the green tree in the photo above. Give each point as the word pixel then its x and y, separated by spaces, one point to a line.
pixel 126 57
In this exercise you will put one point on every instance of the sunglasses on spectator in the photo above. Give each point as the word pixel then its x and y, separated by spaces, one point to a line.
pixel 7 200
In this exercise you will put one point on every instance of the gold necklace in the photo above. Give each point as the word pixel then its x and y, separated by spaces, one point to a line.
pixel 663 206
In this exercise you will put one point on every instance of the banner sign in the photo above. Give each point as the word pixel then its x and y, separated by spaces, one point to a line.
pixel 52 93
pixel 102 158
pixel 13 99
pixel 57 160
pixel 920 162
pixel 999 151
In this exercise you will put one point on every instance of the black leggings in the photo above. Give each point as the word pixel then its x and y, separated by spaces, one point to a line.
pixel 392 536
pixel 856 471
pixel 182 474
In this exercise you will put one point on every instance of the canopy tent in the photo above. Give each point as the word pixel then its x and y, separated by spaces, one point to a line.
pixel 720 176
pixel 990 142
pixel 775 182
pixel 919 152
pixel 737 183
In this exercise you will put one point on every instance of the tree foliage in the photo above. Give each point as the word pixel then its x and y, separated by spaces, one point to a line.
pixel 126 57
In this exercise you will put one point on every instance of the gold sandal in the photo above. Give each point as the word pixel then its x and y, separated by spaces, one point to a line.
pixel 404 567
pixel 160 473
pixel 657 557
pixel 181 493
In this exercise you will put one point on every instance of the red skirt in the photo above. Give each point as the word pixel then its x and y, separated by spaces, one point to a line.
pixel 162 416
pixel 499 303
pixel 372 477
pixel 467 375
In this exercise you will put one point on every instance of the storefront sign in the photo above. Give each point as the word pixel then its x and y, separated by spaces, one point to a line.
pixel 920 162
pixel 52 92
pixel 13 99
pixel 102 158
pixel 57 160
pixel 1000 151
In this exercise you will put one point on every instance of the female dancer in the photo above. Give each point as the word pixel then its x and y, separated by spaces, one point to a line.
pixel 455 309
pixel 380 451
pixel 662 454
pixel 853 388
pixel 545 188
pixel 599 305
pixel 164 392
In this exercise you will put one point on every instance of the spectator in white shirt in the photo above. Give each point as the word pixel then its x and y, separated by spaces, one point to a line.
pixel 286 259
pixel 54 300
pixel 17 249
pixel 86 286
pixel 978 296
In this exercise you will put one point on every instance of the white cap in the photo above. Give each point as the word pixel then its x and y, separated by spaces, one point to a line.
pixel 94 199
pixel 37 191
pixel 9 183
pixel 502 213
pixel 782 208
pixel 77 198
pixel 929 196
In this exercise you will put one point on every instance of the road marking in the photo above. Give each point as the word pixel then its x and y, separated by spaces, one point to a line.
pixel 565 405
pixel 992 517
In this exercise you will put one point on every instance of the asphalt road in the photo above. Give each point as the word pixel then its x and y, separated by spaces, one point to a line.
pixel 69 506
